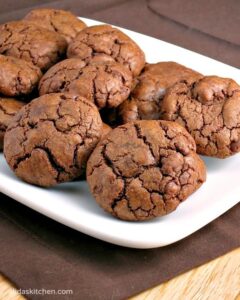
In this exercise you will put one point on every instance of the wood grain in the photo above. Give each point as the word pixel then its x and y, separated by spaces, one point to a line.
pixel 7 291
pixel 218 279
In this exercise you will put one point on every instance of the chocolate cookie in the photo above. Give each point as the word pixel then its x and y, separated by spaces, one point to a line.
pixel 104 42
pixel 8 108
pixel 50 139
pixel 60 21
pixel 25 40
pixel 144 169
pixel 17 76
pixel 106 84
pixel 209 109
pixel 146 98
pixel 105 130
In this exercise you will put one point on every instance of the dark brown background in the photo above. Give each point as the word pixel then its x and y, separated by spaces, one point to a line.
pixel 210 27
pixel 37 252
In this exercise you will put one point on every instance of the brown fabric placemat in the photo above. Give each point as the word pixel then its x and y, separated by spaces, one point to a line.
pixel 147 16
pixel 37 252
pixel 202 16
pixel 200 26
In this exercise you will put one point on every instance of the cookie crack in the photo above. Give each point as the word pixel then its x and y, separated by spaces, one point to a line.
pixel 53 26
pixel 122 195
pixel 52 160
pixel 3 127
pixel 5 27
pixel 75 164
pixel 94 52
pixel 118 175
pixel 144 139
pixel 3 109
pixel 150 191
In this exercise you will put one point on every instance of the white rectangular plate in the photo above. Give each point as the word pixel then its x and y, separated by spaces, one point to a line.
pixel 72 204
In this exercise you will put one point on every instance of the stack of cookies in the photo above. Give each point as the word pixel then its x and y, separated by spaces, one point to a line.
pixel 81 100
pixel 26 51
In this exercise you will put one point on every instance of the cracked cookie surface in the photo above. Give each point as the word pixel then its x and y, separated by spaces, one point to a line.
pixel 8 108
pixel 25 40
pixel 209 109
pixel 50 139
pixel 17 76
pixel 105 84
pixel 106 43
pixel 151 85
pixel 144 169
pixel 60 21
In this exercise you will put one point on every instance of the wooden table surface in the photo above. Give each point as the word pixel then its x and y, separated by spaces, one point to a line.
pixel 216 280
